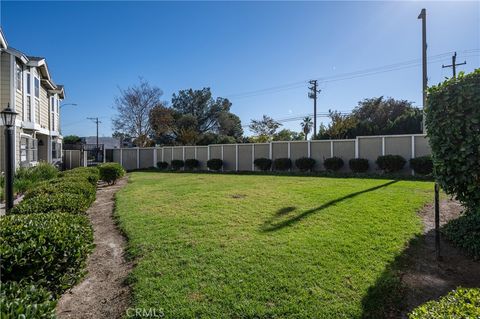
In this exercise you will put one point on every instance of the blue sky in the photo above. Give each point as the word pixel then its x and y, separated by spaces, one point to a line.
pixel 236 47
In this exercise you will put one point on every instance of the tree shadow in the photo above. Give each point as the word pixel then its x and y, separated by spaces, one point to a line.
pixel 416 276
pixel 270 225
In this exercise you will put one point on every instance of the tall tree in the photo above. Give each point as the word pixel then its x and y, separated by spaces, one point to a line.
pixel 288 135
pixel 307 126
pixel 264 128
pixel 230 124
pixel 133 106
pixel 201 105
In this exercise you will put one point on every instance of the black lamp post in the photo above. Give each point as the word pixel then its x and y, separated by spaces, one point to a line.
pixel 8 117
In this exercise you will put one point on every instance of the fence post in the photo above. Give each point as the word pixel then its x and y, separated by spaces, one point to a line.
pixel 289 154
pixel 183 153
pixel 236 157
pixel 138 157
pixel 413 151
pixel 208 155
pixel 70 159
pixel 154 157
pixel 383 145
pixel 270 150
pixel 357 151
pixel 253 157
pixel 223 165
pixel 121 157
pixel 163 154
pixel 104 154
pixel 331 148
pixel 85 159
pixel 309 148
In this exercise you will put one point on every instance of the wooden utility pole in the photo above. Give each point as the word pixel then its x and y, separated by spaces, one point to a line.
pixel 454 64
pixel 96 121
pixel 313 95
pixel 423 17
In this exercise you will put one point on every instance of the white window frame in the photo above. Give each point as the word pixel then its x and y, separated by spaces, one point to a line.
pixel 36 99
pixel 18 77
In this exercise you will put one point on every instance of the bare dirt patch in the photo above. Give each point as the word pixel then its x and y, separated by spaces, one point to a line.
pixel 102 293
pixel 427 278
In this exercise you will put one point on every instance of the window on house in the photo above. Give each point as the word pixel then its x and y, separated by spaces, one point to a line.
pixel 29 83
pixel 28 150
pixel 19 77
pixel 56 150
pixel 36 83
pixel 52 103
pixel 29 108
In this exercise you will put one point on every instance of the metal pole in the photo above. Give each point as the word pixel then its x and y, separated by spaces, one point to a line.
pixel 9 169
pixel 437 222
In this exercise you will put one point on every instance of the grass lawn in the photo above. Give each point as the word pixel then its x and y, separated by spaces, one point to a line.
pixel 240 246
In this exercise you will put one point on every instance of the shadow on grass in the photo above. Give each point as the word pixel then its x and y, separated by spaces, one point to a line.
pixel 416 276
pixel 272 225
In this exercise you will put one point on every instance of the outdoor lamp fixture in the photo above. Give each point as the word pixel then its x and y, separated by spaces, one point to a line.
pixel 8 117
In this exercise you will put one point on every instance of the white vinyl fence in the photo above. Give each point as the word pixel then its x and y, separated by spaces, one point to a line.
pixel 240 157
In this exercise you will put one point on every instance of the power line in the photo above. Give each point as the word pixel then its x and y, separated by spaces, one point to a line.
pixel 347 76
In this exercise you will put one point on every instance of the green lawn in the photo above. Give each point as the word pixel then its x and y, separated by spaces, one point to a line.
pixel 244 246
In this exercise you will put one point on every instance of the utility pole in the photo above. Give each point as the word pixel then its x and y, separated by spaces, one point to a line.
pixel 96 121
pixel 423 17
pixel 454 64
pixel 313 95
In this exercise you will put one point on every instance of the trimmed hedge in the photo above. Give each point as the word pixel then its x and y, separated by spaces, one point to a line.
pixel 215 164
pixel 177 164
pixel 25 301
pixel 390 163
pixel 162 165
pixel 359 165
pixel 459 303
pixel 53 203
pixel 45 249
pixel 192 163
pixel 465 233
pixel 282 164
pixel 110 172
pixel 61 185
pixel 91 174
pixel 453 128
pixel 263 164
pixel 333 163
pixel 422 165
pixel 305 163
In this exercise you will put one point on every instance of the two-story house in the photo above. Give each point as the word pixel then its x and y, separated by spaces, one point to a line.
pixel 26 84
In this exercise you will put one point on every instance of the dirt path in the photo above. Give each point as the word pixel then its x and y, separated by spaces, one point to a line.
pixel 102 293
pixel 426 278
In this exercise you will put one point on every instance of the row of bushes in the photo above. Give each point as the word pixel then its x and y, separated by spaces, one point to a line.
pixel 45 241
pixel 388 163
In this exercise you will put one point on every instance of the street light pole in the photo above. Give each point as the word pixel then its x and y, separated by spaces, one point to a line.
pixel 8 117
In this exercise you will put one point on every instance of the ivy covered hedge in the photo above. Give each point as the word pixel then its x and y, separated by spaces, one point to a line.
pixel 459 303
pixel 44 244
pixel 453 128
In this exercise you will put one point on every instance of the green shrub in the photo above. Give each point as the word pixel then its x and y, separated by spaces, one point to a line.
pixel 110 172
pixel 461 303
pixel 305 164
pixel 62 185
pixel 333 163
pixel 422 165
pixel 91 174
pixel 359 165
pixel 453 128
pixel 465 233
pixel 27 177
pixel 25 301
pixel 162 165
pixel 192 163
pixel 177 164
pixel 215 164
pixel 49 250
pixel 282 164
pixel 390 163
pixel 53 203
pixel 263 164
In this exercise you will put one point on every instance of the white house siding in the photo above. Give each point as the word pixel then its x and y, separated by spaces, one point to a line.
pixel 4 80
pixel 44 108
pixel 19 103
